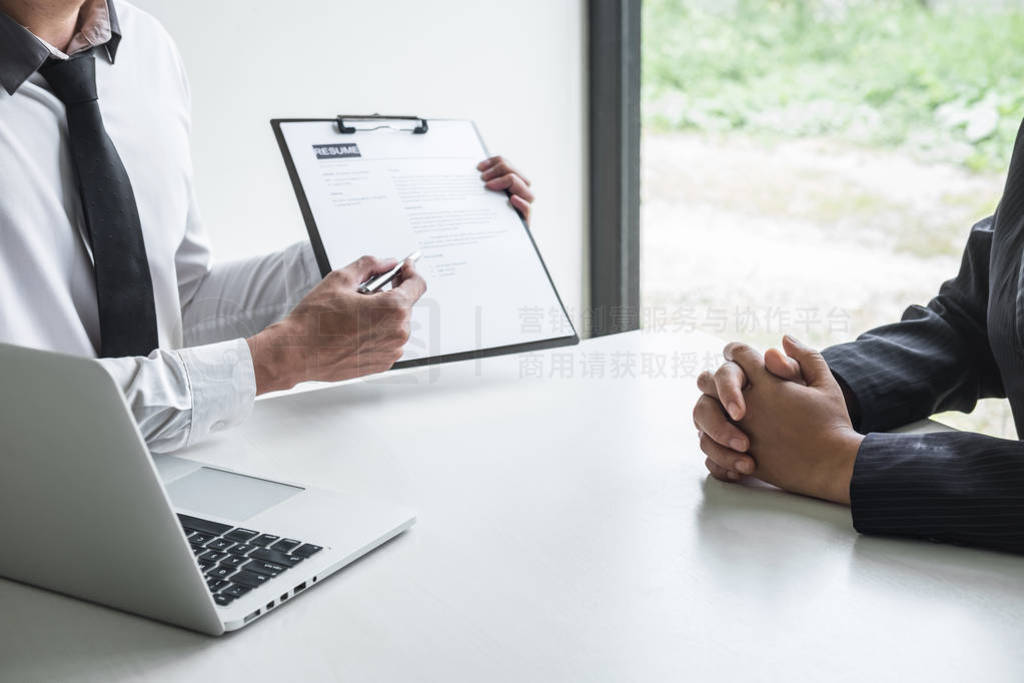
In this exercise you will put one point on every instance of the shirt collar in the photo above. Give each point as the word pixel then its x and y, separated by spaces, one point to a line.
pixel 22 53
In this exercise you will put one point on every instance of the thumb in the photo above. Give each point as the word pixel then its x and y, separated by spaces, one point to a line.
pixel 812 364
pixel 362 268
pixel 782 366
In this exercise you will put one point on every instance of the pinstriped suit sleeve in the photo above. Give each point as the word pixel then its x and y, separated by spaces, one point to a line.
pixel 953 487
pixel 936 358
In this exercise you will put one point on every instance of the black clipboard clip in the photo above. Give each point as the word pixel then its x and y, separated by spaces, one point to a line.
pixel 419 129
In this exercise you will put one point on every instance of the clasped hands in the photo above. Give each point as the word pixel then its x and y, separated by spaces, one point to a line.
pixel 780 417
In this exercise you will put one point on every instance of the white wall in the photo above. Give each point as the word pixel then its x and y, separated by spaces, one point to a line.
pixel 516 68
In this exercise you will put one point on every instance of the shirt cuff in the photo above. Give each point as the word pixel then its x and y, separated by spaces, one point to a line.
pixel 222 383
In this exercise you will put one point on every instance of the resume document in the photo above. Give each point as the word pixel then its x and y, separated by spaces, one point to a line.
pixel 388 192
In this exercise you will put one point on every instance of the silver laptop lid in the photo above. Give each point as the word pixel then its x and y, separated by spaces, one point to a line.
pixel 82 510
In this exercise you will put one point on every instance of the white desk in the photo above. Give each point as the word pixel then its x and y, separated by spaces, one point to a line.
pixel 567 532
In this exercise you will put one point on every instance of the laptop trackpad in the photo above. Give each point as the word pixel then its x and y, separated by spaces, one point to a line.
pixel 227 495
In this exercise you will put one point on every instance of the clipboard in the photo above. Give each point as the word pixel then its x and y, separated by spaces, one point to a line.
pixel 345 128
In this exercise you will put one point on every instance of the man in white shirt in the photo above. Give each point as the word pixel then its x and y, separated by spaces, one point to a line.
pixel 220 333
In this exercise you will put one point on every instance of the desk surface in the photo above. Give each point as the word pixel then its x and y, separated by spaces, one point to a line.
pixel 567 532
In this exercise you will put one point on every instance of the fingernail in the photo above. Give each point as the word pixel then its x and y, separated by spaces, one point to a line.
pixel 732 475
pixel 734 411
pixel 744 466
pixel 794 340
pixel 738 445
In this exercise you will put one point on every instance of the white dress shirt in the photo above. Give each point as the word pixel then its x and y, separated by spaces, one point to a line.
pixel 201 378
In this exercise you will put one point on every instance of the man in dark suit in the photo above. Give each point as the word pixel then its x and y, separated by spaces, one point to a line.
pixel 813 423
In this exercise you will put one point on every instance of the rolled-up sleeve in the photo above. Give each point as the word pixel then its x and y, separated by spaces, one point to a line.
pixel 179 397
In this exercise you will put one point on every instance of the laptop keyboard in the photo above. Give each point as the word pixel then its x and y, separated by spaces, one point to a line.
pixel 236 560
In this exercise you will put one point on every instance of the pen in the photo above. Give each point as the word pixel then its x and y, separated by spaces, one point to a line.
pixel 374 284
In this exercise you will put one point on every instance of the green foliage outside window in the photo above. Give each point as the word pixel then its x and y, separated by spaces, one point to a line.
pixel 943 83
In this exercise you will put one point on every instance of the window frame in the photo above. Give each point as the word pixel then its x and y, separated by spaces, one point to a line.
pixel 614 147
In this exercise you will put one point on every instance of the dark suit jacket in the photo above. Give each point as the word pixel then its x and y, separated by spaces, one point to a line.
pixel 966 344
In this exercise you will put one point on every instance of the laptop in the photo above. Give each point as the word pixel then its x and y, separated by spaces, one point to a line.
pixel 85 510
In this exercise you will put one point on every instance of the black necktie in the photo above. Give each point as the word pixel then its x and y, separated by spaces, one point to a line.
pixel 124 289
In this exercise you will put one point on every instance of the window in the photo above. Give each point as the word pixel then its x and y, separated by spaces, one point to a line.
pixel 814 166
